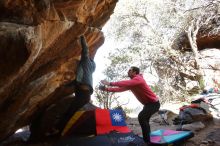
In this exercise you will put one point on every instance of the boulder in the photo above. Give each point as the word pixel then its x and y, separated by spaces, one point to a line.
pixel 40 51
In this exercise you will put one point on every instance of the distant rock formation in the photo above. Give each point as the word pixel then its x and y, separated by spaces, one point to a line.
pixel 40 51
pixel 207 41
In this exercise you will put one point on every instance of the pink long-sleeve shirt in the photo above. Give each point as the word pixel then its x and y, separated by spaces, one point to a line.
pixel 138 87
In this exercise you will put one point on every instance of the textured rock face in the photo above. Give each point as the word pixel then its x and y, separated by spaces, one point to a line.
pixel 40 51
pixel 211 65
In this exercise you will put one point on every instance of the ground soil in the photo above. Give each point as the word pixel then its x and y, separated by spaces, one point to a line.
pixel 200 136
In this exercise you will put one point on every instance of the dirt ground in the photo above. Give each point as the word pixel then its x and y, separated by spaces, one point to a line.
pixel 200 136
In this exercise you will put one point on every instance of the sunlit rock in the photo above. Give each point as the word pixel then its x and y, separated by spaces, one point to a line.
pixel 40 51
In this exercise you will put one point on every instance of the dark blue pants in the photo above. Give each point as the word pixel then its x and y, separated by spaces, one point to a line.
pixel 144 117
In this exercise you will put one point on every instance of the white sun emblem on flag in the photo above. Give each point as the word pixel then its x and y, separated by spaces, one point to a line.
pixel 117 117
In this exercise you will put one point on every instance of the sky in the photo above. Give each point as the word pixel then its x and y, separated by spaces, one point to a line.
pixel 101 61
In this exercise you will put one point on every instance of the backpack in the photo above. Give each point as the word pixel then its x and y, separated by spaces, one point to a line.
pixel 189 114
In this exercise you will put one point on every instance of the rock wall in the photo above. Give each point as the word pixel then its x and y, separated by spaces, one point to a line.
pixel 40 51
pixel 211 66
